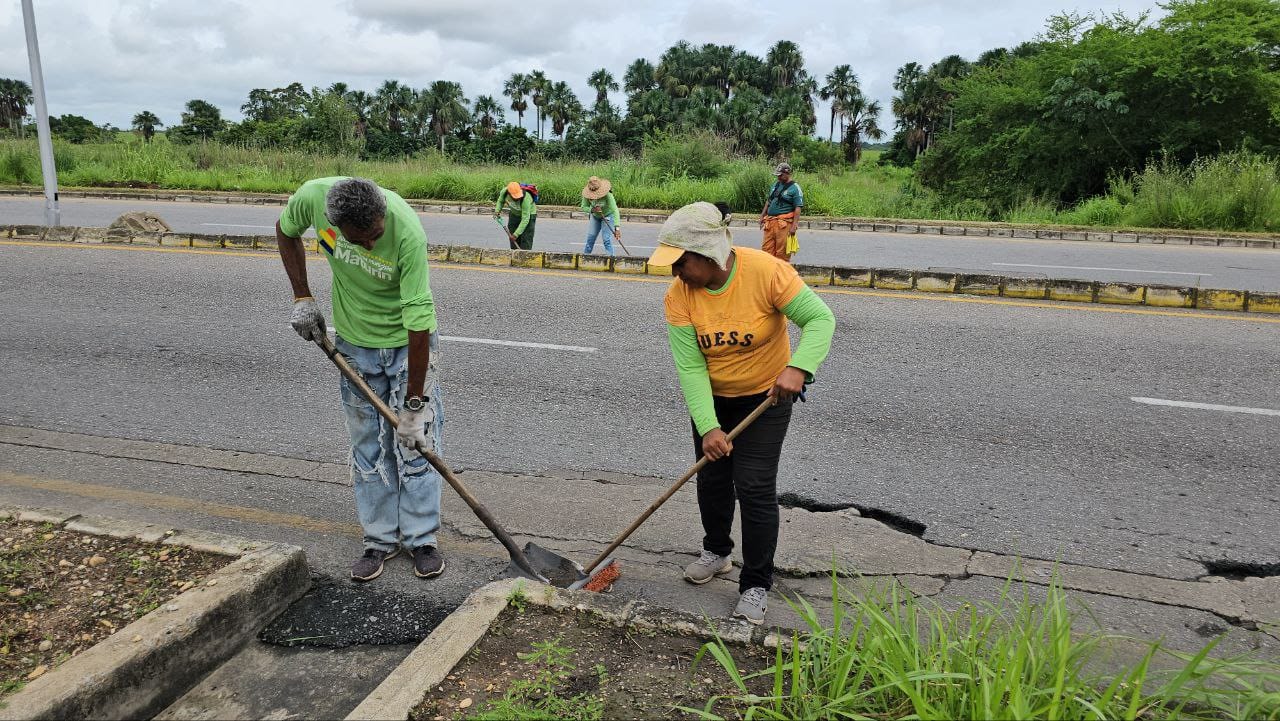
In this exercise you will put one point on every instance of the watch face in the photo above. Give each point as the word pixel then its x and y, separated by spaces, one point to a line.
pixel 413 403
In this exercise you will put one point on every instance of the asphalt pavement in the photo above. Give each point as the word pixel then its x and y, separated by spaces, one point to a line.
pixel 1208 267
pixel 983 424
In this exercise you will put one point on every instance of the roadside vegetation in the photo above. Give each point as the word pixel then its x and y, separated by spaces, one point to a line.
pixel 1167 119
pixel 888 655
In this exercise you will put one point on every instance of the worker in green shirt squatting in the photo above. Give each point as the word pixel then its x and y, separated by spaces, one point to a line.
pixel 385 323
pixel 727 313
pixel 522 215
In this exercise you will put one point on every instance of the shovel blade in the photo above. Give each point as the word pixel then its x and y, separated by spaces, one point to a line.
pixel 556 569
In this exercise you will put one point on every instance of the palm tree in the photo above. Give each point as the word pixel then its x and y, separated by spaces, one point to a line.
pixel 486 114
pixel 145 122
pixel 602 80
pixel 786 64
pixel 516 87
pixel 390 102
pixel 639 77
pixel 362 104
pixel 841 85
pixel 863 117
pixel 563 107
pixel 15 96
pixel 445 107
pixel 538 87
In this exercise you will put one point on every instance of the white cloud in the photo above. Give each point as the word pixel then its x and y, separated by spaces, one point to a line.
pixel 109 59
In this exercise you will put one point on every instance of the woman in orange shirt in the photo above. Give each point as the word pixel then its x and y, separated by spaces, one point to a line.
pixel 727 313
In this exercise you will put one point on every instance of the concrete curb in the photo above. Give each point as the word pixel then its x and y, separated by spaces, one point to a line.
pixel 436 656
pixel 840 223
pixel 177 644
pixel 899 279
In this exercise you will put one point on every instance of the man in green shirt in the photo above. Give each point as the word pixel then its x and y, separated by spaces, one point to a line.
pixel 385 324
pixel 522 215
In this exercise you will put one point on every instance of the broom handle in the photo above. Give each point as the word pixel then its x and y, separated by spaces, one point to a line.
pixel 759 410
pixel 351 374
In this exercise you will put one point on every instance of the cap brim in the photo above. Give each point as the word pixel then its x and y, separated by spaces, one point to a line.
pixel 665 255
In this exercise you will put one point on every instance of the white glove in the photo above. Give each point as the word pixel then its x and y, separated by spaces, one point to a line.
pixel 411 426
pixel 307 319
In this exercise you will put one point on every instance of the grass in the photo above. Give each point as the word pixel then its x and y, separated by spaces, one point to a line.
pixel 537 698
pixel 1233 191
pixel 890 655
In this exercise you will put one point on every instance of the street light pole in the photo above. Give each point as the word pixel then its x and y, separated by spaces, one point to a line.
pixel 52 216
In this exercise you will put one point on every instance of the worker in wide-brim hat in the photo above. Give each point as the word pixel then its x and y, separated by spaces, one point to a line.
pixel 522 214
pixel 727 313
pixel 602 214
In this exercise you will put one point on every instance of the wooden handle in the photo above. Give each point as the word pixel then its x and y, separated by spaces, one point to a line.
pixel 477 507
pixel 759 410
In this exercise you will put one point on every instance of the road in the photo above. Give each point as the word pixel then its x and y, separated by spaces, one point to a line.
pixel 1239 268
pixel 983 424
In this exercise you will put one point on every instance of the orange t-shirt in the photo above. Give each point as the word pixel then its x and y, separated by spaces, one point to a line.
pixel 741 329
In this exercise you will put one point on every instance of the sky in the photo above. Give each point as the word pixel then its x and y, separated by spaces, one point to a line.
pixel 109 59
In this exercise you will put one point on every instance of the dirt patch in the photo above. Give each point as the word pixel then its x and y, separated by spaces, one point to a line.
pixel 61 592
pixel 568 666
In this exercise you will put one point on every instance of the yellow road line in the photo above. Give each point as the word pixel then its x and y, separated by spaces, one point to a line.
pixel 588 275
pixel 179 503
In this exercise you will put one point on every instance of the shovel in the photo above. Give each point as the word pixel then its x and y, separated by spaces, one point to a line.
pixel 590 571
pixel 507 232
pixel 546 566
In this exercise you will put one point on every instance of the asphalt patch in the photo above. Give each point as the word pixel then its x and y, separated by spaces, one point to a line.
pixel 338 614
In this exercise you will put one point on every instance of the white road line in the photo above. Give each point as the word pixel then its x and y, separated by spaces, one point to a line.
pixel 1206 406
pixel 519 343
pixel 233 225
pixel 516 343
pixel 1117 270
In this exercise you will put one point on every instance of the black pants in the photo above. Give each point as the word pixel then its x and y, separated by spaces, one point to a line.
pixel 524 241
pixel 749 474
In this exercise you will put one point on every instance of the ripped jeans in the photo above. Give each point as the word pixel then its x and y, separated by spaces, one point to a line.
pixel 397 491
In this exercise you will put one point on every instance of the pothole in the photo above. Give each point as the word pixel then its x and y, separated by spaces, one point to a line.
pixel 896 521
pixel 1237 570
pixel 337 614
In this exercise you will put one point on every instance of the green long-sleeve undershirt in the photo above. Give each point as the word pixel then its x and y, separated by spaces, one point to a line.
pixel 526 210
pixel 817 324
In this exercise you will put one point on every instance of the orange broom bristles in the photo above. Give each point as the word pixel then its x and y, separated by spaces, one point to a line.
pixel 603 578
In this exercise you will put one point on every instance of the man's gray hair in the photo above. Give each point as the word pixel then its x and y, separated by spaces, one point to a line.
pixel 357 202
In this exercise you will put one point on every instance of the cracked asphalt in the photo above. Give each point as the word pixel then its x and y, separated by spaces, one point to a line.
pixel 991 427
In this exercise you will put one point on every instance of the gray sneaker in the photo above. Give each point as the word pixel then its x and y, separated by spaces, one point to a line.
pixel 369 566
pixel 708 566
pixel 751 605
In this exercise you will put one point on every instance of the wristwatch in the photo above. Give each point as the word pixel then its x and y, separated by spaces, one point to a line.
pixel 414 403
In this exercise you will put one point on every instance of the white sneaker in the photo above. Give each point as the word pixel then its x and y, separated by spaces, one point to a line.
pixel 751 605
pixel 707 567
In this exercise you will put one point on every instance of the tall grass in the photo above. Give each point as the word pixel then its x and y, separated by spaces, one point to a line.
pixel 890 655
pixel 1234 191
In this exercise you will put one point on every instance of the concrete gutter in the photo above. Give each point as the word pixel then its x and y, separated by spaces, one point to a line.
pixel 847 224
pixel 145 666
pixel 898 279
pixel 437 655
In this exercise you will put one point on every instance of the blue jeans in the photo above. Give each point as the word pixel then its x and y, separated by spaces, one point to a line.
pixel 397 491
pixel 594 226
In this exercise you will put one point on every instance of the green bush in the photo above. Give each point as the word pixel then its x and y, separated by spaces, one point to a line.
pixel 699 156
pixel 18 165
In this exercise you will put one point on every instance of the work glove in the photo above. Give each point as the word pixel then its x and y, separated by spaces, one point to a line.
pixel 307 319
pixel 411 426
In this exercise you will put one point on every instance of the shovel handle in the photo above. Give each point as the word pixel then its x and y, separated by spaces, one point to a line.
pixel 352 375
pixel 759 410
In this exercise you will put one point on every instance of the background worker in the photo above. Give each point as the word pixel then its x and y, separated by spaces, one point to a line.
pixel 602 210
pixel 385 324
pixel 780 216
pixel 727 313
pixel 522 214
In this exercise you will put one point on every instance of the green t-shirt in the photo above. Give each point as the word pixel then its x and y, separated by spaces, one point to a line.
pixel 786 199
pixel 379 295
